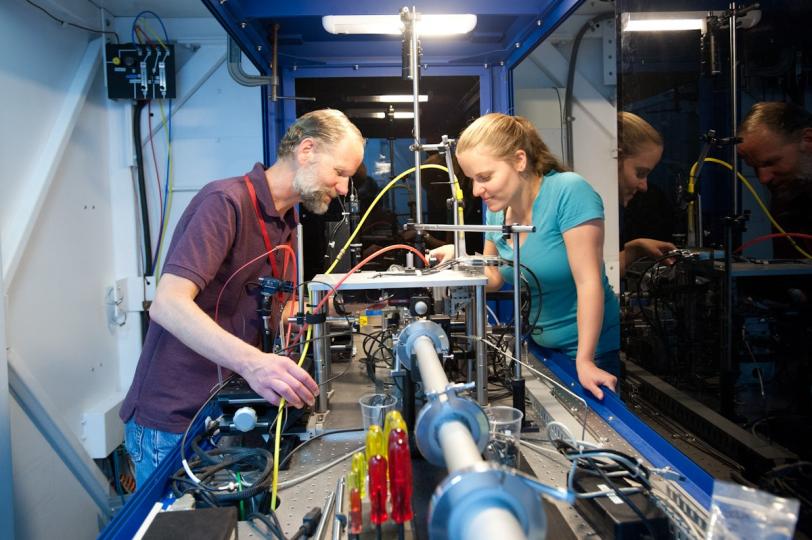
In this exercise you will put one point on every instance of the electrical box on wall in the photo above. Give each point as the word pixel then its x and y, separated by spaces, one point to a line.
pixel 140 71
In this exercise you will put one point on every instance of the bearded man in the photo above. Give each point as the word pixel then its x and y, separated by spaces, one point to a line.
pixel 223 242
pixel 777 143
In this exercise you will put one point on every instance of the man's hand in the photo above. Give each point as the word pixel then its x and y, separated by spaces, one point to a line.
pixel 592 377
pixel 275 377
pixel 442 253
pixel 648 247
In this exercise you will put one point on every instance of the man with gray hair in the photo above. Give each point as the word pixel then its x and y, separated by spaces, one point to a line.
pixel 205 310
pixel 777 143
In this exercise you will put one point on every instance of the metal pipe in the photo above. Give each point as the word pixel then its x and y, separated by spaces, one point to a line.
pixel 472 228
pixel 321 357
pixel 480 317
pixel 493 522
pixel 459 449
pixel 325 513
pixel 431 370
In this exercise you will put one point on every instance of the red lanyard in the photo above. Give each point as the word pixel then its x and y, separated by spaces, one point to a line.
pixel 252 192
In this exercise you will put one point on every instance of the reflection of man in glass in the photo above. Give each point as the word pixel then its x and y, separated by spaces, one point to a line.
pixel 640 150
pixel 777 143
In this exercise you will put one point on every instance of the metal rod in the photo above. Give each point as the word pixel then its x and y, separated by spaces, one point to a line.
pixel 325 513
pixel 414 70
pixel 459 236
pixel 517 307
pixel 472 228
pixel 338 523
pixel 734 105
pixel 480 317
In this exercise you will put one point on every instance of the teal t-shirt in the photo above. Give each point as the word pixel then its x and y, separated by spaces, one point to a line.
pixel 565 200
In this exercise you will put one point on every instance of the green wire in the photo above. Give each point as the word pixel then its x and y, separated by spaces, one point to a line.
pixel 242 502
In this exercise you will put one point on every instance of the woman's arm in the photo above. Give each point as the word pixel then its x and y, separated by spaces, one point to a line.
pixel 584 245
pixel 495 279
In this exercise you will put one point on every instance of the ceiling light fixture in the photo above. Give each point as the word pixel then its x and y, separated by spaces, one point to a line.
pixel 664 21
pixel 387 98
pixel 380 115
pixel 427 25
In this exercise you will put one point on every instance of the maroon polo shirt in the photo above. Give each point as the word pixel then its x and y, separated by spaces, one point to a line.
pixel 218 233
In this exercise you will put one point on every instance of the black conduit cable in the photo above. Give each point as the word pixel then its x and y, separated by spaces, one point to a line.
pixel 576 44
pixel 142 187
pixel 142 202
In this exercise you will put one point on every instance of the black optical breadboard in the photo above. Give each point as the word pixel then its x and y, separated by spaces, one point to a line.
pixel 140 71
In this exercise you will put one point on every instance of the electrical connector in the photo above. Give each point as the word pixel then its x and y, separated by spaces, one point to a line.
pixel 310 522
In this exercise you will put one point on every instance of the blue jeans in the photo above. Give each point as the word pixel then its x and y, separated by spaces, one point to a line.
pixel 147 448
pixel 609 361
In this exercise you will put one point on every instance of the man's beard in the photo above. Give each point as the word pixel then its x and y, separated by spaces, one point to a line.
pixel 306 184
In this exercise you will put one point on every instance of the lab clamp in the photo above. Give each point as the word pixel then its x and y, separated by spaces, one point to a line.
pixel 478 499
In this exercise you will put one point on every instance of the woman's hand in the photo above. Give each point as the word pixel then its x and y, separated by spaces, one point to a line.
pixel 592 377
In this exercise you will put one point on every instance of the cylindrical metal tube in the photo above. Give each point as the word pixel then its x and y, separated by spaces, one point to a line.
pixel 480 317
pixel 431 370
pixel 321 357
pixel 493 522
pixel 459 449
pixel 734 105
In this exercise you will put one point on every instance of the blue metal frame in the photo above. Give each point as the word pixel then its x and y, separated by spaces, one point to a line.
pixel 658 451
pixel 129 519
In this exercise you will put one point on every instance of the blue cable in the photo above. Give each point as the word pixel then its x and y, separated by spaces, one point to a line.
pixel 148 12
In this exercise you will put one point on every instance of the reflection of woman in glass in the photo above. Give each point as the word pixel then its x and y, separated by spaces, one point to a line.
pixel 640 150
pixel 520 181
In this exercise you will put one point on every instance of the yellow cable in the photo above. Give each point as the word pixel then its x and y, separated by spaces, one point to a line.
pixel 278 436
pixel 386 188
pixel 692 186
pixel 169 191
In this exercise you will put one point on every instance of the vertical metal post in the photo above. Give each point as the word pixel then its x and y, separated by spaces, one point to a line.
pixel 734 106
pixel 321 357
pixel 726 371
pixel 517 307
pixel 300 272
pixel 481 357
pixel 414 70
pixel 459 236
pixel 517 386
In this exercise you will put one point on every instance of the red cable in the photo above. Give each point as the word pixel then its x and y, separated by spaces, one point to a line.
pixel 764 238
pixel 355 269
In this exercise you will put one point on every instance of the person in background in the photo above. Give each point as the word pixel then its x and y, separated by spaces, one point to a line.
pixel 229 224
pixel 520 181
pixel 640 150
pixel 777 143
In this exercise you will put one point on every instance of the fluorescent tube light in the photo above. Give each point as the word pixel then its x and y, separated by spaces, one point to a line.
pixel 427 25
pixel 388 98
pixel 663 21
